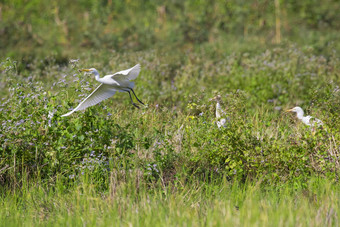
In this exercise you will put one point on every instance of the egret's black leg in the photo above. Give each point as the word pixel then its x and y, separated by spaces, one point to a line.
pixel 131 99
pixel 136 96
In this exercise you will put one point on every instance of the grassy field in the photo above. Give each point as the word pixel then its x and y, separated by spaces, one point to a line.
pixel 128 202
pixel 168 164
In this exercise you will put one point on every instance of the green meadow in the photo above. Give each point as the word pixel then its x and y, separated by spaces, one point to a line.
pixel 167 163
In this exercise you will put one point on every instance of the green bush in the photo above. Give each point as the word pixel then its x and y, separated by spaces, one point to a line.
pixel 176 134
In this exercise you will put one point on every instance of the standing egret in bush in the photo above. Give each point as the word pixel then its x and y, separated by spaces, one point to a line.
pixel 119 81
pixel 219 112
pixel 308 120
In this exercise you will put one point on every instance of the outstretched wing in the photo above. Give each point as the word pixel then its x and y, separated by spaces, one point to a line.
pixel 128 74
pixel 101 93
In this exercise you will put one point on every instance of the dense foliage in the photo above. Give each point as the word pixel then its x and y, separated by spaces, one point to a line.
pixel 176 133
pixel 168 163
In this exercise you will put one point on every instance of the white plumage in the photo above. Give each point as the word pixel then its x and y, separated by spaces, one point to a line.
pixel 219 112
pixel 307 120
pixel 119 81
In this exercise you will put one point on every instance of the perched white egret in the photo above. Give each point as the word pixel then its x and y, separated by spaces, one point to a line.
pixel 119 81
pixel 219 112
pixel 307 120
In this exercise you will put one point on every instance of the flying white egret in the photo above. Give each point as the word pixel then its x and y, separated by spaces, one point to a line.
pixel 119 81
pixel 307 120
pixel 219 112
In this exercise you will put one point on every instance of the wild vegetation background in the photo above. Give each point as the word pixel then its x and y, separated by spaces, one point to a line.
pixel 115 162
pixel 40 27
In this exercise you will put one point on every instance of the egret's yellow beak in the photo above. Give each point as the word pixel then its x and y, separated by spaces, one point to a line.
pixel 289 110
pixel 215 98
pixel 84 70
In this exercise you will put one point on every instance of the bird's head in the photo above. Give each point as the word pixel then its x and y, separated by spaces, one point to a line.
pixel 296 109
pixel 91 70
pixel 216 98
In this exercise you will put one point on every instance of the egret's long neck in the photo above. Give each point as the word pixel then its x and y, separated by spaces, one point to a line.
pixel 299 114
pixel 96 75
pixel 218 109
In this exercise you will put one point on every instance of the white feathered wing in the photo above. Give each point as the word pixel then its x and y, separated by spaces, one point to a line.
pixel 101 93
pixel 105 91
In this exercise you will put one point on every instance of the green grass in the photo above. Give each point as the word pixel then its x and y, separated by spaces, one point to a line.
pixel 167 164
pixel 176 130
pixel 199 203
